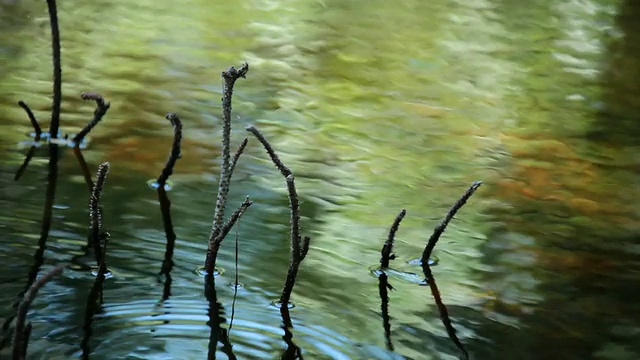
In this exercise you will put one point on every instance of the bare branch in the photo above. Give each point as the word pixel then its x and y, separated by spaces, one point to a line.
pixel 100 111
pixel 95 212
pixel 274 157
pixel 298 249
pixel 237 154
pixel 57 72
pixel 229 76
pixel 175 149
pixel 433 240
pixel 387 249
pixel 32 119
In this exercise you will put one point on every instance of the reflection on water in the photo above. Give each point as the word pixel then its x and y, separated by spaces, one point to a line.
pixel 375 107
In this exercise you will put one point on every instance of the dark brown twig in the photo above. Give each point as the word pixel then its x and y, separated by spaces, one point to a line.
pixel 387 249
pixel 32 119
pixel 237 154
pixel 57 72
pixel 101 110
pixel 165 204
pixel 442 309
pixel 433 240
pixel 96 213
pixel 299 247
pixel 383 281
pixel 175 149
pixel 19 339
pixel 285 171
pixel 227 227
pixel 229 76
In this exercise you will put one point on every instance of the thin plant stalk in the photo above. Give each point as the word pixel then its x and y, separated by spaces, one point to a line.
pixel 229 77
pixel 299 247
pixel 433 240
pixel 387 249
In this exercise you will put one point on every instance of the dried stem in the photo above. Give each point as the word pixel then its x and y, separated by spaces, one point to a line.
pixel 299 247
pixel 19 339
pixel 387 249
pixel 32 119
pixel 274 157
pixel 175 149
pixel 443 224
pixel 229 76
pixel 225 230
pixel 442 309
pixel 237 154
pixel 101 110
pixel 57 72
pixel 165 204
pixel 96 213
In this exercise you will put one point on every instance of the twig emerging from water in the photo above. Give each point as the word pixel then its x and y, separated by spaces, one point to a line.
pixel 387 249
pixel 442 309
pixel 383 281
pixel 433 240
pixel 37 131
pixel 21 338
pixel 101 110
pixel 57 72
pixel 165 204
pixel 299 247
pixel 237 154
pixel 96 213
pixel 99 238
pixel 32 119
pixel 227 227
pixel 175 149
pixel 229 76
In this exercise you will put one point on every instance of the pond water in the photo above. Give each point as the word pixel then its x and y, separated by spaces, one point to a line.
pixel 376 107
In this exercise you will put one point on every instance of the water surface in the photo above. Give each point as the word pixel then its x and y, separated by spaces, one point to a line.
pixel 375 107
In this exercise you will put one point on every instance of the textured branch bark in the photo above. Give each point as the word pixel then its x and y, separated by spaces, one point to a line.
pixel 299 247
pixel 229 76
pixel 433 240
